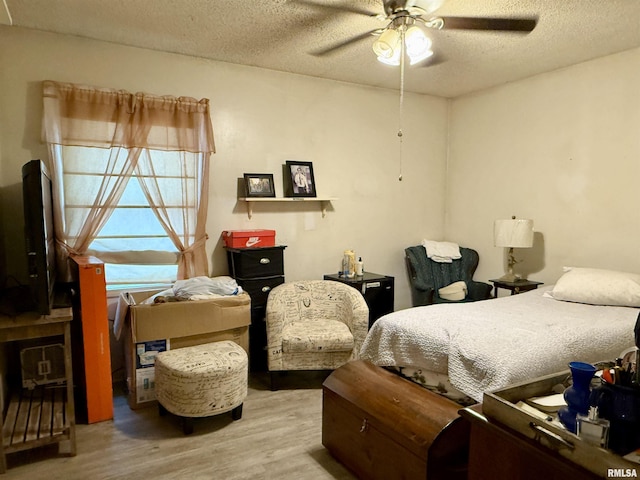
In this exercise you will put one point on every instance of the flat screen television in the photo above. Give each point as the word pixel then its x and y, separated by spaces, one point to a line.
pixel 39 235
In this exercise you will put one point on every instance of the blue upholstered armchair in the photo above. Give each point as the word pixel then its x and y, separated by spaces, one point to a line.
pixel 426 276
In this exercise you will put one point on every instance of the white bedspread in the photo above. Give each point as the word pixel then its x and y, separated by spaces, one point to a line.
pixel 491 344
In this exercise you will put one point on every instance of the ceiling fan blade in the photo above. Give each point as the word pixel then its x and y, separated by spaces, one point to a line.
pixel 341 8
pixel 524 25
pixel 346 43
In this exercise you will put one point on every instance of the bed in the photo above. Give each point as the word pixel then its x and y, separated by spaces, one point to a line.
pixel 463 350
pixel 460 351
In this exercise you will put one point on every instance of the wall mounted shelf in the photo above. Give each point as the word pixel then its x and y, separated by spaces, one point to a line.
pixel 324 202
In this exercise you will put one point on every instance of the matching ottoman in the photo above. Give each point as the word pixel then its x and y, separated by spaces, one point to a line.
pixel 202 380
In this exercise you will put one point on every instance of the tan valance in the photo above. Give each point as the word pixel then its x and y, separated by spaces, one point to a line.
pixel 78 115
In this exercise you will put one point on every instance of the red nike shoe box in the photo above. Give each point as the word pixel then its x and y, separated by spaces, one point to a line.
pixel 249 238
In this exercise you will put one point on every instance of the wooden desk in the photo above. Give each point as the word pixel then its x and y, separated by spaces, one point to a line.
pixel 59 410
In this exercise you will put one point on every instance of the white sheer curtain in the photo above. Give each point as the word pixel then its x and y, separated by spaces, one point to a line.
pixel 128 134
pixel 178 196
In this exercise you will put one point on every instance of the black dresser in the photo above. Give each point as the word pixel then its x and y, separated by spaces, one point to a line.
pixel 377 290
pixel 257 271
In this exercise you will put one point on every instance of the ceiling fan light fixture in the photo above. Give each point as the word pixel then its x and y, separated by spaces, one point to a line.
pixel 418 45
pixel 418 58
pixel 388 44
pixel 394 61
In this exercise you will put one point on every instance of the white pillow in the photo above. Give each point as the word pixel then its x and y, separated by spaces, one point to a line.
pixel 454 291
pixel 598 287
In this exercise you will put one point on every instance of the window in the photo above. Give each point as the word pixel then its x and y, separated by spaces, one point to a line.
pixel 130 179
pixel 132 243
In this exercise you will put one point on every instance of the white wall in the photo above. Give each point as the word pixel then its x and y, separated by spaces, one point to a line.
pixel 261 118
pixel 561 148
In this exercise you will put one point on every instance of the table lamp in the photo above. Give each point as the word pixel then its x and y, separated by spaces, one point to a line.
pixel 512 233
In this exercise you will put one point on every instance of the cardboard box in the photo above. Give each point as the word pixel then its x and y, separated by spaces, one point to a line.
pixel 144 372
pixel 156 327
pixel 249 238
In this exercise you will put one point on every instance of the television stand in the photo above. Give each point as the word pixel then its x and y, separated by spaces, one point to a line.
pixel 16 435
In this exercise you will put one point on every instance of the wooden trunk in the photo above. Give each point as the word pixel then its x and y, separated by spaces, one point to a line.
pixel 382 426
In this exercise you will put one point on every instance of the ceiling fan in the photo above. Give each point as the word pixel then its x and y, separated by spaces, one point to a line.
pixel 405 21
pixel 404 35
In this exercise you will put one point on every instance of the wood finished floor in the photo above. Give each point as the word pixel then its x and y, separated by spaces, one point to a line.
pixel 279 437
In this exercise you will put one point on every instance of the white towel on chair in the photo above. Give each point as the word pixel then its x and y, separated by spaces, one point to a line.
pixel 443 252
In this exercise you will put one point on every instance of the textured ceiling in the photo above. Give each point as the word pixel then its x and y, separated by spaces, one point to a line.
pixel 286 35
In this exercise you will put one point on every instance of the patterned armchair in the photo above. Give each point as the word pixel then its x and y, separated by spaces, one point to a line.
pixel 426 276
pixel 314 325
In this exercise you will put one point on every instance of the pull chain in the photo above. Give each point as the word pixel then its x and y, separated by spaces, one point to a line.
pixel 400 113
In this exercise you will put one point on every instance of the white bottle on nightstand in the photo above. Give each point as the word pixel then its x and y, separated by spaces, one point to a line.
pixel 359 267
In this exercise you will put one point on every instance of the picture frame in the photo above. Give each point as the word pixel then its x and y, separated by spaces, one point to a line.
pixel 259 185
pixel 300 180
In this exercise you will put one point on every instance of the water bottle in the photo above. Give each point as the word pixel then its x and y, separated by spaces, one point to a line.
pixel 345 265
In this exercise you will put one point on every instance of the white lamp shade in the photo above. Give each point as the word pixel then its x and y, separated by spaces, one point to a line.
pixel 515 232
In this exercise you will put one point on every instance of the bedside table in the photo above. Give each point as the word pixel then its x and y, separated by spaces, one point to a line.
pixel 516 287
pixel 376 289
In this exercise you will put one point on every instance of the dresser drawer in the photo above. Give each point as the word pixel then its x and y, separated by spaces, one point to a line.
pixel 256 262
pixel 257 271
pixel 259 289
